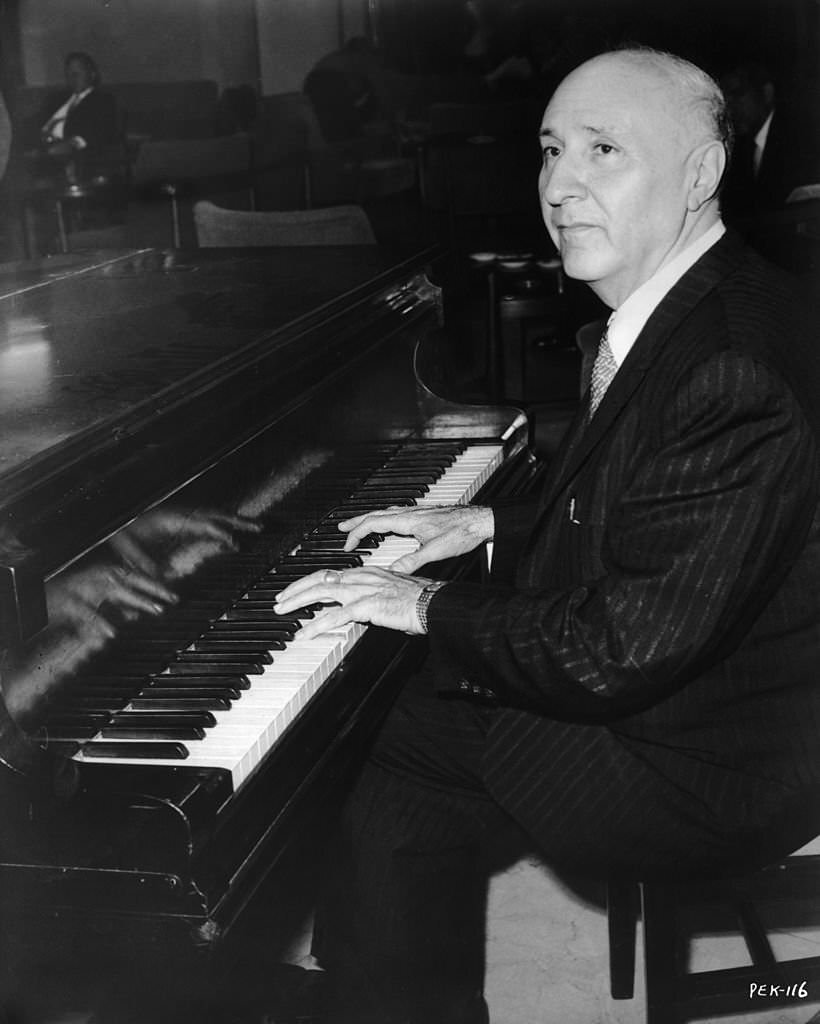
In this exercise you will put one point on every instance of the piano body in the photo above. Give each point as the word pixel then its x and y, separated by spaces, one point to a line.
pixel 145 397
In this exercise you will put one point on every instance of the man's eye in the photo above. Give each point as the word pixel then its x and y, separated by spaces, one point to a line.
pixel 604 147
pixel 550 153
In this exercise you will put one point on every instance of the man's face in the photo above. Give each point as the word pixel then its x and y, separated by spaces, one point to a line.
pixel 613 182
pixel 77 76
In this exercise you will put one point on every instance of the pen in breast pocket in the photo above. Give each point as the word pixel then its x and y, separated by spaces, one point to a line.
pixel 571 508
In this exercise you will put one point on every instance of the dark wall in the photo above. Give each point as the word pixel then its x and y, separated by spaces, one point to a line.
pixel 430 35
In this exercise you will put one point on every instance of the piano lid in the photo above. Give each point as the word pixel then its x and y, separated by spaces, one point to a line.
pixel 83 345
pixel 110 366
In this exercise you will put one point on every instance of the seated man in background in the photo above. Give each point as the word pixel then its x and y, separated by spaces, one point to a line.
pixel 83 129
pixel 347 93
pixel 777 145
pixel 636 687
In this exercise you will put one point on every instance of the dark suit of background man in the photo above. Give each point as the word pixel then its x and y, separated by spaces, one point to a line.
pixel 637 688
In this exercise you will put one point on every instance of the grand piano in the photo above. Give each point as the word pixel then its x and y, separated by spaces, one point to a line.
pixel 181 433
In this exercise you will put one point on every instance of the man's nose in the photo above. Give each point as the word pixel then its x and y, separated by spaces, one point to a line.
pixel 562 179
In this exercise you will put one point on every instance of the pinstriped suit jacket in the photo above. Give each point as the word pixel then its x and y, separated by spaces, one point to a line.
pixel 666 585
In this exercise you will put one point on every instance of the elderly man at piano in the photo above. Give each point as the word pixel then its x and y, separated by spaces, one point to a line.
pixel 646 649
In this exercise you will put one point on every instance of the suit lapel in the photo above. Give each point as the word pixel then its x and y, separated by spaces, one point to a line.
pixel 696 283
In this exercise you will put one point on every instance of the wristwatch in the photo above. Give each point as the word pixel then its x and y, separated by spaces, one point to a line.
pixel 423 601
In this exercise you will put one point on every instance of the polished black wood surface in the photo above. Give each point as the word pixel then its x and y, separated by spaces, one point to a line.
pixel 108 364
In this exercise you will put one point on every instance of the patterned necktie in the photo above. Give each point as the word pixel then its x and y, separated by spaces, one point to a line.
pixel 603 370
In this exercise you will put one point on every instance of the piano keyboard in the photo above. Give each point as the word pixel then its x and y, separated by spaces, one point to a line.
pixel 224 700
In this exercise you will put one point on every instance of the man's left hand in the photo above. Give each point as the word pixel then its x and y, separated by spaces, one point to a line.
pixel 377 596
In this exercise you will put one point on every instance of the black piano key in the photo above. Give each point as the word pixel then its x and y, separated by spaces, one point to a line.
pixel 180 692
pixel 267 589
pixel 95 702
pixel 156 732
pixel 358 503
pixel 260 618
pixel 63 747
pixel 270 634
pixel 78 719
pixel 250 664
pixel 204 602
pixel 324 544
pixel 178 719
pixel 283 577
pixel 411 462
pixel 251 614
pixel 172 679
pixel 331 560
pixel 160 703
pixel 137 750
pixel 193 618
pixel 403 477
pixel 217 645
pixel 121 684
pixel 156 642
pixel 205 668
pixel 127 669
pixel 388 494
pixel 107 677
pixel 75 733
pixel 97 694
pixel 267 633
pixel 333 531
pixel 357 508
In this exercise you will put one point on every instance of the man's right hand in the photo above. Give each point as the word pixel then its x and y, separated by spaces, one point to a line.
pixel 442 531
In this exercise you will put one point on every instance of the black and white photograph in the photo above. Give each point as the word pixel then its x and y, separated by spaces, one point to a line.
pixel 409 512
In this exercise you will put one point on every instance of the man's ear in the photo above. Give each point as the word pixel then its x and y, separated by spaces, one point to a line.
pixel 706 166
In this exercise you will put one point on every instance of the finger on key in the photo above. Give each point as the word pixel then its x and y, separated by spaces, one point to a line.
pixel 303 586
pixel 381 522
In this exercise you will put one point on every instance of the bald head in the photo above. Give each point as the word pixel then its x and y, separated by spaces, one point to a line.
pixel 693 98
pixel 634 146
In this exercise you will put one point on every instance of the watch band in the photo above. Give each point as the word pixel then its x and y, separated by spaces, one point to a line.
pixel 423 601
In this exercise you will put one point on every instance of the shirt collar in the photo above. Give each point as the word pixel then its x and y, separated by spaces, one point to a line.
pixel 73 100
pixel 627 321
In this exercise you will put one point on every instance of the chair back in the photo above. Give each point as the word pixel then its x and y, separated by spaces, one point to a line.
pixel 335 225
pixel 283 129
pixel 169 110
pixel 161 161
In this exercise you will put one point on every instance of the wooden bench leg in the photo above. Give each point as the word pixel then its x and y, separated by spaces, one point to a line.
pixel 622 913
pixel 660 938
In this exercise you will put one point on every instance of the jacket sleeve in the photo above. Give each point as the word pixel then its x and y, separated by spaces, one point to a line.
pixel 717 507
pixel 513 522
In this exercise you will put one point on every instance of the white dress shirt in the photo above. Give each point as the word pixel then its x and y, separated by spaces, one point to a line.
pixel 760 142
pixel 55 126
pixel 627 321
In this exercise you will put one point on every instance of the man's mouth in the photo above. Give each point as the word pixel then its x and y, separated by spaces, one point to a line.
pixel 572 228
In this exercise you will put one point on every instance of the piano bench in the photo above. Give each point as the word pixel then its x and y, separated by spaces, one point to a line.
pixel 674 913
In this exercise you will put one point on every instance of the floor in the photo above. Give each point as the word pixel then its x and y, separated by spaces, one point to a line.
pixel 547 957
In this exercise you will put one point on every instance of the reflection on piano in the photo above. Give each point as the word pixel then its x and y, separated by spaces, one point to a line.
pixel 198 430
